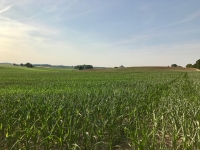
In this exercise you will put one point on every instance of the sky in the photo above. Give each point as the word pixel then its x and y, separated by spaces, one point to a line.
pixel 100 32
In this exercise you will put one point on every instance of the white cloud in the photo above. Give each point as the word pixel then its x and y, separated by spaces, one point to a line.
pixel 5 9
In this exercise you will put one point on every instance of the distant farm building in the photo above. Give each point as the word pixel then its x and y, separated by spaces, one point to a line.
pixel 121 66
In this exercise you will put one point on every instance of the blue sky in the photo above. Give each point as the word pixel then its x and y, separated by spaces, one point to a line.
pixel 101 32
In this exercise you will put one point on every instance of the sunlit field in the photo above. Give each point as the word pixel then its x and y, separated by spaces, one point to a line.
pixel 100 109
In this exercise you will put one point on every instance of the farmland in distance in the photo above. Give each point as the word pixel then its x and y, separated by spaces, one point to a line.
pixel 130 108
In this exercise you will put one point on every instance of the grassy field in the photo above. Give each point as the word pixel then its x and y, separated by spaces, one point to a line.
pixel 132 108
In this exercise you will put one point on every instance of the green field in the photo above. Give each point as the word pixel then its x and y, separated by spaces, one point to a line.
pixel 132 108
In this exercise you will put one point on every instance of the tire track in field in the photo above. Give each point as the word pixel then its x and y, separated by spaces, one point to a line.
pixel 153 98
pixel 164 89
pixel 152 111
pixel 188 88
pixel 182 85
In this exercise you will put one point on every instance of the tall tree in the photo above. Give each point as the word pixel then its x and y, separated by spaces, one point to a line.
pixel 198 64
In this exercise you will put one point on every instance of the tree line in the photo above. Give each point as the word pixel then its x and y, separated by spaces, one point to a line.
pixel 81 67
pixel 29 65
pixel 196 65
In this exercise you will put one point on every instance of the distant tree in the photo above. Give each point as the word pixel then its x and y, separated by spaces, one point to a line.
pixel 81 67
pixel 174 65
pixel 194 66
pixel 115 67
pixel 29 65
pixel 21 64
pixel 189 66
pixel 198 64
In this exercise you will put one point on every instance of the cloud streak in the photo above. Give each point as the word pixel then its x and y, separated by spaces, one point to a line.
pixel 5 9
pixel 189 18
pixel 82 14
